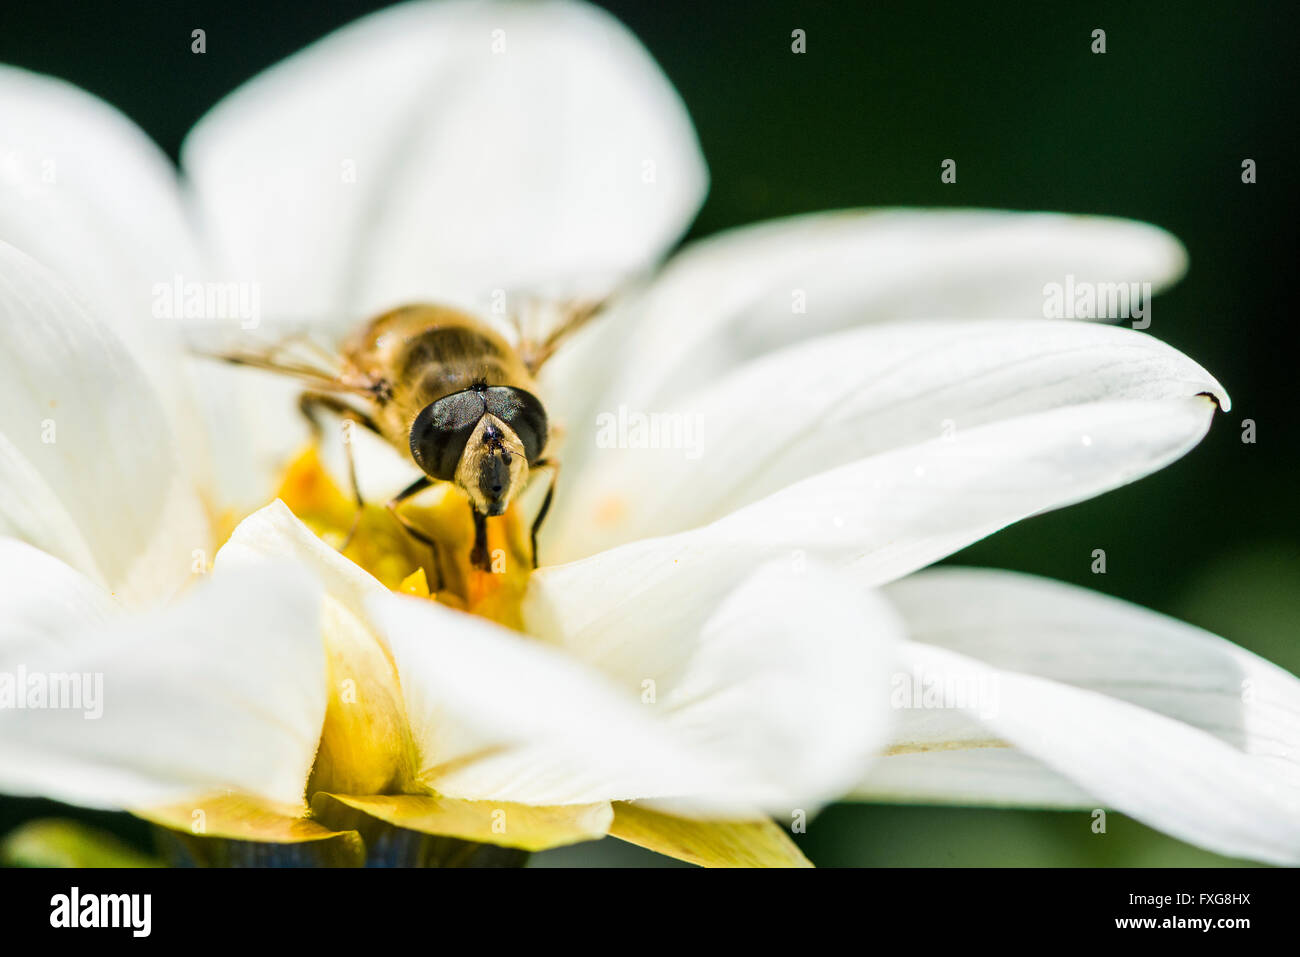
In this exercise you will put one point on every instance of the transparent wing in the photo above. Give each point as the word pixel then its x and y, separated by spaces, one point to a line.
pixel 294 352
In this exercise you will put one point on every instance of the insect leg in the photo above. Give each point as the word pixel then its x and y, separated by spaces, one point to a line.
pixel 311 404
pixel 415 488
pixel 552 466
pixel 356 494
pixel 479 555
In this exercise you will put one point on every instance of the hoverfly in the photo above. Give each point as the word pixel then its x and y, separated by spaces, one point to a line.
pixel 448 391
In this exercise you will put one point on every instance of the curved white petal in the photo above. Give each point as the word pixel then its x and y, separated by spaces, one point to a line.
pixel 766 695
pixel 992 776
pixel 85 192
pixel 41 598
pixel 1090 640
pixel 534 741
pixel 1007 625
pixel 893 513
pixel 253 428
pixel 811 407
pixel 1162 771
pixel 499 717
pixel 446 150
pixel 744 292
pixel 1026 624
pixel 731 713
pixel 365 745
pixel 30 510
pixel 783 672
pixel 88 469
pixel 224 690
pixel 274 534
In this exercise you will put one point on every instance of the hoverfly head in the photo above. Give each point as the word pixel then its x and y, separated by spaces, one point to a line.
pixel 482 439
pixel 493 468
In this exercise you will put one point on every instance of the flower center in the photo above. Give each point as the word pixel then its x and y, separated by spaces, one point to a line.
pixel 374 539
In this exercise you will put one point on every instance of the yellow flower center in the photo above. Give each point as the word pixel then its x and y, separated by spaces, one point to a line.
pixel 365 780
pixel 365 745
pixel 376 541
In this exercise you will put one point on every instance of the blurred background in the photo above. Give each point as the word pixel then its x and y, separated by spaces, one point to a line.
pixel 1155 129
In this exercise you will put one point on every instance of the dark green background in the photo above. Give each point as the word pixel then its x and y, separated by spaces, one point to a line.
pixel 1155 129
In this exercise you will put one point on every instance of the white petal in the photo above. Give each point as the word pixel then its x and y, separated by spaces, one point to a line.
pixel 817 405
pixel 31 511
pixel 1166 773
pixel 986 776
pixel 782 673
pixel 42 598
pixel 88 453
pixel 1086 640
pixel 365 744
pixel 253 428
pixel 891 514
pixel 224 690
pixel 1021 624
pixel 452 670
pixel 737 295
pixel 771 696
pixel 446 150
pixel 500 717
pixel 1069 634
pixel 85 192
pixel 274 534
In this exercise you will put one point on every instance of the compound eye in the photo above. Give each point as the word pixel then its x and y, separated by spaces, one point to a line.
pixel 523 412
pixel 441 430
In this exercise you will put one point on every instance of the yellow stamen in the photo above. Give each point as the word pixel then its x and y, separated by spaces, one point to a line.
pixel 380 545
pixel 416 583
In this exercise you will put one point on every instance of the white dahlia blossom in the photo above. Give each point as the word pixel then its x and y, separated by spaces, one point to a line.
pixel 728 629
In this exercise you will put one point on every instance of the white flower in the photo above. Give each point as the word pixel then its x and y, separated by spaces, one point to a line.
pixel 725 635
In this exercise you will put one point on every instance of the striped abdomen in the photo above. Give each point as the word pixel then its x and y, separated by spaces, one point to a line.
pixel 421 353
